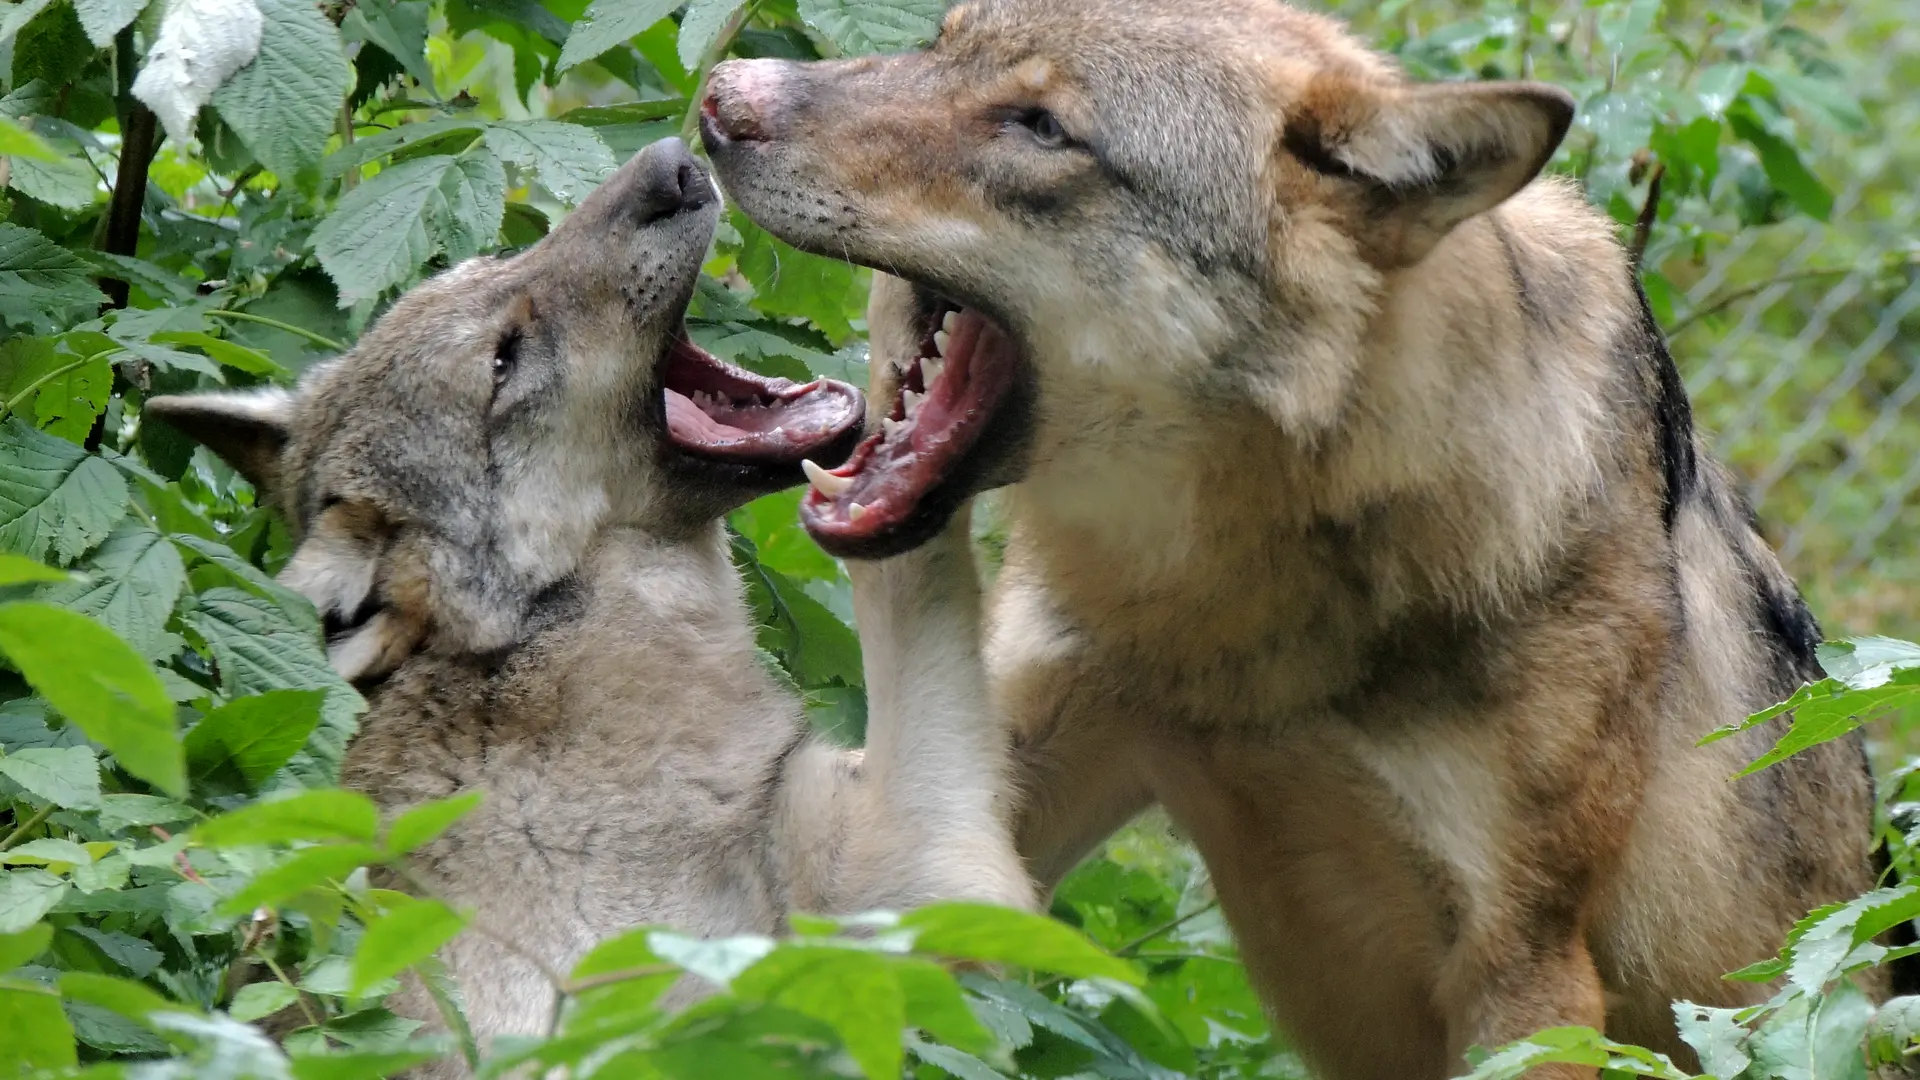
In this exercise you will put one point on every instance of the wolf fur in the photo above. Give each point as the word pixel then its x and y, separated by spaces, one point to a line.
pixel 1357 514
pixel 537 599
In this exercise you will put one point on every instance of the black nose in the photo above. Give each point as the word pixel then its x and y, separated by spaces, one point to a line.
pixel 669 181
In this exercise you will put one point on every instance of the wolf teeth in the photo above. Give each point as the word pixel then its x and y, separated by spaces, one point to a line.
pixel 940 339
pixel 891 426
pixel 855 511
pixel 912 401
pixel 949 321
pixel 930 370
pixel 823 481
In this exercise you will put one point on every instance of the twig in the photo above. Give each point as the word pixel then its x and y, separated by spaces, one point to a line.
pixel 690 125
pixel 1165 928
pixel 298 331
pixel 299 996
pixel 1726 300
pixel 1649 211
pixel 27 826
pixel 139 138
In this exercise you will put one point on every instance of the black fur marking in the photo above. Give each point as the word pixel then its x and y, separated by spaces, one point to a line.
pixel 1672 412
pixel 1303 141
pixel 1522 288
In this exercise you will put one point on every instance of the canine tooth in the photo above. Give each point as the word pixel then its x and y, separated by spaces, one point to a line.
pixel 930 370
pixel 912 401
pixel 940 339
pixel 949 321
pixel 823 481
pixel 855 511
pixel 891 426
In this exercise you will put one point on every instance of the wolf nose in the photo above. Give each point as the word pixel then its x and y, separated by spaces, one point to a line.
pixel 670 181
pixel 741 100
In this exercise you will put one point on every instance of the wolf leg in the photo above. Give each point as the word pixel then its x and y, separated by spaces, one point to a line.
pixel 1506 982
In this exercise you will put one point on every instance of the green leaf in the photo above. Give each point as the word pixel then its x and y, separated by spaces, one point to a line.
pixel 301 871
pixel 936 1005
pixel 34 270
pixel 67 181
pixel 68 776
pixel 18 143
pixel 701 26
pixel 259 733
pixel 788 281
pixel 859 27
pixel 261 999
pixel 377 235
pixel 54 495
pixel 475 192
pixel 45 851
pixel 25 895
pixel 68 401
pixel 19 570
pixel 231 353
pixel 399 28
pixel 570 159
pixel 324 814
pixel 104 18
pixel 853 991
pixel 1782 163
pixel 964 930
pixel 123 996
pixel 285 103
pixel 608 23
pixel 358 1064
pixel 133 582
pixel 34 1032
pixel 99 684
pixel 424 823
pixel 402 937
pixel 21 947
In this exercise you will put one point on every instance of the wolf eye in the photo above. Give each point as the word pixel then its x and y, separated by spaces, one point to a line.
pixel 505 356
pixel 1046 127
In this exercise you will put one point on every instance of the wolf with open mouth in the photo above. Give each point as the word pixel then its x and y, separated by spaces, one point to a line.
pixel 1356 512
pixel 507 499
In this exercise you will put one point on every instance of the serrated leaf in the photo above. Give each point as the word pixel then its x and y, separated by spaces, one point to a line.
pixel 99 684
pixel 258 734
pixel 402 937
pixel 424 823
pixel 19 15
pixel 20 144
pixel 71 398
pixel 377 235
pixel 45 851
pixel 607 23
pixel 230 353
pixel 325 814
pixel 474 190
pixel 261 999
pixel 25 895
pixel 123 996
pixel 37 271
pixel 284 104
pixel 136 956
pixel 133 582
pixel 68 776
pixel 399 28
pixel 104 18
pixel 859 27
pixel 965 930
pixel 34 1032
pixel 853 991
pixel 570 159
pixel 200 45
pixel 54 495
pixel 67 181
pixel 700 27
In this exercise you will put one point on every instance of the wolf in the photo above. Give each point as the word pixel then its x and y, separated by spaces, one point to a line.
pixel 507 499
pixel 1356 512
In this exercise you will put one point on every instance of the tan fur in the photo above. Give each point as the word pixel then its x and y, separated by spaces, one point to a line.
pixel 1359 521
pixel 539 602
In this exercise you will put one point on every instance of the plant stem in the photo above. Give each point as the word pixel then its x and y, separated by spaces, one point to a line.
pixel 299 997
pixel 1165 928
pixel 297 331
pixel 690 125
pixel 27 826
pixel 1649 212
pixel 139 138
pixel 14 402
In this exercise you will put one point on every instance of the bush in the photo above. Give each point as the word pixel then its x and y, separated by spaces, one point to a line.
pixel 178 863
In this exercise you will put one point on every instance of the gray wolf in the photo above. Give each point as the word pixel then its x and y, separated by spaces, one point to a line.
pixel 1356 511
pixel 507 501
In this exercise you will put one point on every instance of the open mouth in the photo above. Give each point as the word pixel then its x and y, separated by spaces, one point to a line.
pixel 720 413
pixel 908 470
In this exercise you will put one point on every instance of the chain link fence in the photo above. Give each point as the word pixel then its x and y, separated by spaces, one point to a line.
pixel 1801 345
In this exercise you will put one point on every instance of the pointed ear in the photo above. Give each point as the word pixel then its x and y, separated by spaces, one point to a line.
pixel 1430 155
pixel 247 429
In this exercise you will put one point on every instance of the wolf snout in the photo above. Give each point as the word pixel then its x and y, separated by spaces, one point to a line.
pixel 667 181
pixel 743 100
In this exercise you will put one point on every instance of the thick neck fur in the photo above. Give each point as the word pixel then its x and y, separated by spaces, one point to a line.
pixel 1441 467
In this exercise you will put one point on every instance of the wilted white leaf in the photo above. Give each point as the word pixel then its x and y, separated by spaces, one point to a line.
pixel 104 18
pixel 201 44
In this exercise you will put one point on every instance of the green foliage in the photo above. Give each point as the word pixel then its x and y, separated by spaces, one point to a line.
pixel 176 863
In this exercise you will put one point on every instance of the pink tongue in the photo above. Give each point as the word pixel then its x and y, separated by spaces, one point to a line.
pixel 689 424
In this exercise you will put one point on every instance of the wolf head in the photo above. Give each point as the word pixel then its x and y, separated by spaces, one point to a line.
pixel 1100 204
pixel 463 455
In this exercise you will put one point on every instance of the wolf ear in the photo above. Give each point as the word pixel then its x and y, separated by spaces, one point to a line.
pixel 247 429
pixel 1431 155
